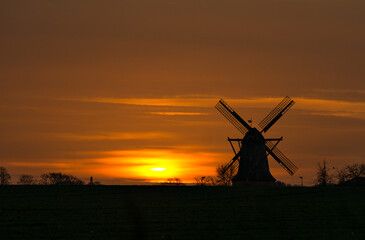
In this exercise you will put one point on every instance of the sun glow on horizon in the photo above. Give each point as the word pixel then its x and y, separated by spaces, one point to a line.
pixel 158 169
pixel 157 165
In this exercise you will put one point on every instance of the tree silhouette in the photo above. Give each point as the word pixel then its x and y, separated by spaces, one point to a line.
pixel 350 171
pixel 173 181
pixel 59 179
pixel 203 181
pixel 4 176
pixel 26 180
pixel 225 177
pixel 323 176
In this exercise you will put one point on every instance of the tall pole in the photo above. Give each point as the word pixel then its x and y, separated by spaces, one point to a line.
pixel 301 181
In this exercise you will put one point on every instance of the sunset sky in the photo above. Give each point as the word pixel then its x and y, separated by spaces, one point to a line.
pixel 111 89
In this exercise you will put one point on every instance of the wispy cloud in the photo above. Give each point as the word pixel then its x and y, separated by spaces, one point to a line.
pixel 178 113
pixel 162 102
pixel 341 94
pixel 332 107
pixel 59 165
pixel 361 91
pixel 312 106
pixel 116 136
pixel 180 101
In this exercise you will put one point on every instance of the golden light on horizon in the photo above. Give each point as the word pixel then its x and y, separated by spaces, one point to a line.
pixel 157 165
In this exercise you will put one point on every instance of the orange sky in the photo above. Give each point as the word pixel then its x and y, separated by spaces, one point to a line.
pixel 112 89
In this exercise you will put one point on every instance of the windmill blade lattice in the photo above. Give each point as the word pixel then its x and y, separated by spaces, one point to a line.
pixel 276 114
pixel 234 162
pixel 232 116
pixel 281 158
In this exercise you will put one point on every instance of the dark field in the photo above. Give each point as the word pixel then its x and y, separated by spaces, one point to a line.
pixel 149 212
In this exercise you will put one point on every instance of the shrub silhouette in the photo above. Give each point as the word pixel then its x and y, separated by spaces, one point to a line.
pixel 59 179
pixel 26 180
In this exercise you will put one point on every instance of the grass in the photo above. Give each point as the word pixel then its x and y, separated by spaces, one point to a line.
pixel 164 212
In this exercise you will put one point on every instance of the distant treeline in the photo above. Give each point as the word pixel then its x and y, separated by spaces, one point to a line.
pixel 325 176
pixel 330 176
pixel 52 178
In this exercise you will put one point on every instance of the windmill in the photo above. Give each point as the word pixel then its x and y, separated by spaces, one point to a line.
pixel 250 158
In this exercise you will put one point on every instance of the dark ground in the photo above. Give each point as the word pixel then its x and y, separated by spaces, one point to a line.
pixel 158 212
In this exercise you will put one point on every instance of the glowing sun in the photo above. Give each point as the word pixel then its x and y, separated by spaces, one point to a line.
pixel 158 169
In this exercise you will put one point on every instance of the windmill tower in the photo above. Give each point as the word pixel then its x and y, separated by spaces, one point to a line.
pixel 251 157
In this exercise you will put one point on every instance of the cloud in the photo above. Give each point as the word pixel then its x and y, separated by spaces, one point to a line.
pixel 313 106
pixel 179 101
pixel 161 102
pixel 59 165
pixel 116 136
pixel 178 113
pixel 332 107
pixel 353 95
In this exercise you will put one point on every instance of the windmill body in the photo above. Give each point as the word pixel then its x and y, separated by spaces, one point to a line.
pixel 253 165
pixel 250 158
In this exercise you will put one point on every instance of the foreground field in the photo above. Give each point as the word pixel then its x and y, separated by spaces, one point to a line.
pixel 149 212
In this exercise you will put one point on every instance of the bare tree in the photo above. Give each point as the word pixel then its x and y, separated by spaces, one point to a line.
pixel 323 176
pixel 225 177
pixel 4 176
pixel 350 171
pixel 27 180
pixel 203 181
pixel 173 181
pixel 59 179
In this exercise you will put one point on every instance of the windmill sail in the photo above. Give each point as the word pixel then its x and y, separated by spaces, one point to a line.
pixel 233 161
pixel 276 114
pixel 281 158
pixel 232 116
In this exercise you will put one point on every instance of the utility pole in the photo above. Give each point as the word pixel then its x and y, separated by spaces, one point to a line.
pixel 301 181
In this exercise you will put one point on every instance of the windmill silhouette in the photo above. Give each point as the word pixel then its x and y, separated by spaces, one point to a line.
pixel 253 149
